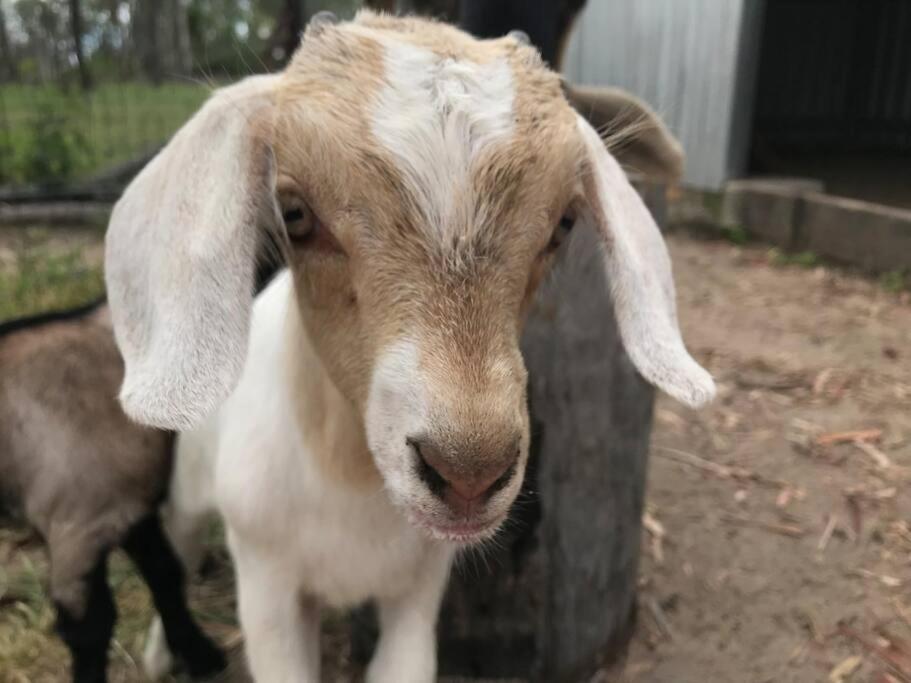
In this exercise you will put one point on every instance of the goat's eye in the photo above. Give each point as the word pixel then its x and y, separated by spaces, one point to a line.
pixel 560 232
pixel 299 222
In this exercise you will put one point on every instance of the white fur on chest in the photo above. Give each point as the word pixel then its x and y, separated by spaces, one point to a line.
pixel 345 544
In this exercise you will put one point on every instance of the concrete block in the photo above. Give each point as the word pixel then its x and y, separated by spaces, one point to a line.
pixel 874 237
pixel 768 210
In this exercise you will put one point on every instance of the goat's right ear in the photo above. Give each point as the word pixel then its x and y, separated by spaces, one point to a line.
pixel 180 258
pixel 645 144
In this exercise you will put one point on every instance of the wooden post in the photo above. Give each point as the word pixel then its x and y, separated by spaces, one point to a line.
pixel 555 596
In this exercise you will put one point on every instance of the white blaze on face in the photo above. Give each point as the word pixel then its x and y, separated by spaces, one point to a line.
pixel 397 408
pixel 435 115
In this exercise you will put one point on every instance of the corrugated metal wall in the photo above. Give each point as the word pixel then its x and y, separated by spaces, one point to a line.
pixel 693 60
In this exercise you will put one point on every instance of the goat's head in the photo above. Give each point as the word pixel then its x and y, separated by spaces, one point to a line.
pixel 425 180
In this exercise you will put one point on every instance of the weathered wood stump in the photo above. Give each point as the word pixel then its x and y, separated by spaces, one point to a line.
pixel 555 595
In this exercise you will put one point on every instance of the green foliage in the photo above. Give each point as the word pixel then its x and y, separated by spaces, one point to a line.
pixel 54 151
pixel 895 281
pixel 52 135
pixel 712 203
pixel 735 234
pixel 804 259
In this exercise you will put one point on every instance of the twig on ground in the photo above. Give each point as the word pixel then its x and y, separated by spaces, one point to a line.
pixel 756 380
pixel 827 534
pixel 834 438
pixel 897 660
pixel 721 471
pixel 819 384
pixel 902 529
pixel 660 619
pixel 881 459
pixel 903 612
pixel 863 492
pixel 657 531
pixel 885 579
pixel 784 529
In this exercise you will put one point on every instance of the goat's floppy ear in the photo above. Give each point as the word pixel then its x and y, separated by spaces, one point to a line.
pixel 645 144
pixel 180 258
pixel 639 275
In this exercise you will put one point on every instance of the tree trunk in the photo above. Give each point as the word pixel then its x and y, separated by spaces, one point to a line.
pixel 183 52
pixel 85 75
pixel 147 39
pixel 8 67
pixel 286 35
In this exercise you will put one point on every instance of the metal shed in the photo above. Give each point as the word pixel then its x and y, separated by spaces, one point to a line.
pixel 805 87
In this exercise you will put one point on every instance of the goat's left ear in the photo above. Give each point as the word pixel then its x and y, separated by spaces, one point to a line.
pixel 639 276
pixel 644 143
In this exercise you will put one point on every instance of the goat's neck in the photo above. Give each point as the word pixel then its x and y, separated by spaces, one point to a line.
pixel 329 424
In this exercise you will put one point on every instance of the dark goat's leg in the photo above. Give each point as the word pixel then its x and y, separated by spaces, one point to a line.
pixel 85 619
pixel 156 560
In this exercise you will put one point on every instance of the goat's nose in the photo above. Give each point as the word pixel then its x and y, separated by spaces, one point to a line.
pixel 463 486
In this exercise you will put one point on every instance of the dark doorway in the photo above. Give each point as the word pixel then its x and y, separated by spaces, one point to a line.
pixel 833 96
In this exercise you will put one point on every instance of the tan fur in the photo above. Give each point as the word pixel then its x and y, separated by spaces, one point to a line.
pixel 393 280
pixel 326 416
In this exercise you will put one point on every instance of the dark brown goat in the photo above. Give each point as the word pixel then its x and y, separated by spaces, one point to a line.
pixel 89 480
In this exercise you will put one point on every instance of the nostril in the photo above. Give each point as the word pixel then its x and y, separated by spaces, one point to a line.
pixel 433 479
pixel 500 483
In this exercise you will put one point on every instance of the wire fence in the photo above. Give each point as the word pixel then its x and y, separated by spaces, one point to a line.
pixel 51 136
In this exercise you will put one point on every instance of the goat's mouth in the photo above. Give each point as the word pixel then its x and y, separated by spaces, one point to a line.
pixel 463 532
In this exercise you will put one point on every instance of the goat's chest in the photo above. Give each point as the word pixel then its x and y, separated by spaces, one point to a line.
pixel 352 546
pixel 346 544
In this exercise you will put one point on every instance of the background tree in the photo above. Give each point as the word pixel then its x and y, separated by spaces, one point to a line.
pixel 146 31
pixel 85 75
pixel 8 67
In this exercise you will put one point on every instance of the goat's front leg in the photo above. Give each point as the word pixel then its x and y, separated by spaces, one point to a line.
pixel 407 651
pixel 281 627
pixel 85 607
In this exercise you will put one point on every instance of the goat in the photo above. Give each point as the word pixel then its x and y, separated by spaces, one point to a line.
pixel 88 479
pixel 367 416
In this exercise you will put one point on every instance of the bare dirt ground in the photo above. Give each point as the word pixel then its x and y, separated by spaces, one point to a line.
pixel 778 543
pixel 780 518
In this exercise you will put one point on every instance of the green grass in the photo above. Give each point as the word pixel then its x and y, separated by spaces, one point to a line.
pixel 735 234
pixel 29 647
pixel 804 259
pixel 46 277
pixel 895 280
pixel 48 135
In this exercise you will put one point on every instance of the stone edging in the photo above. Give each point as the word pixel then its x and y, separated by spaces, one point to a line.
pixel 797 216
